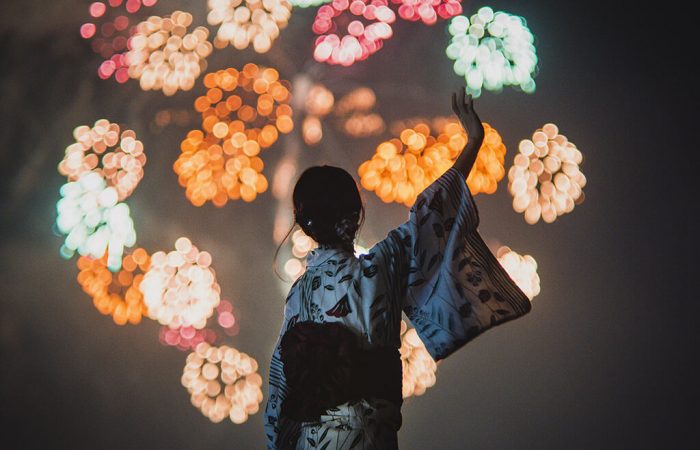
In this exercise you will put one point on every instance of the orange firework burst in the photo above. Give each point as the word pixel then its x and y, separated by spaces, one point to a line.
pixel 242 113
pixel 223 382
pixel 116 294
pixel 401 168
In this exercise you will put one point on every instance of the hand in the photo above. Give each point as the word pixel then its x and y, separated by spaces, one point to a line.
pixel 463 107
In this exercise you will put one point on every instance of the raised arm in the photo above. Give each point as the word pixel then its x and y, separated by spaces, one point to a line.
pixel 463 107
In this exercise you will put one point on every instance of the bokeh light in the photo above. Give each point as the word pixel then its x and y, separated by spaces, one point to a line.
pixel 243 22
pixel 355 114
pixel 185 338
pixel 318 104
pixel 302 244
pixel 522 269
pixel 493 50
pixel 226 318
pixel 401 168
pixel 223 382
pixel 351 30
pixel 242 113
pixel 120 156
pixel 418 366
pixel 109 29
pixel 164 56
pixel 428 11
pixel 94 221
pixel 180 288
pixel 545 179
pixel 116 294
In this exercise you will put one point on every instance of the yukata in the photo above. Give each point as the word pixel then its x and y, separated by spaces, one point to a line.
pixel 436 268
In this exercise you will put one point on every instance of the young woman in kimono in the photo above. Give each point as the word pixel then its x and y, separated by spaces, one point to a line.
pixel 335 376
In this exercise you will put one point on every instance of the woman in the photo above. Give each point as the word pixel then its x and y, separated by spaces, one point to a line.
pixel 335 375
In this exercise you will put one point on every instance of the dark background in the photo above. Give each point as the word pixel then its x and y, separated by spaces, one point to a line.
pixel 603 360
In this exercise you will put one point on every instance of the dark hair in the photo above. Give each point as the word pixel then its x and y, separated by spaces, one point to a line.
pixel 328 206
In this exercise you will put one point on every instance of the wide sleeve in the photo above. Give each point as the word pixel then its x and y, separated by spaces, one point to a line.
pixel 442 274
pixel 281 432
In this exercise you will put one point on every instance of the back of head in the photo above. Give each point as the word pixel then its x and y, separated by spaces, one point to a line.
pixel 328 206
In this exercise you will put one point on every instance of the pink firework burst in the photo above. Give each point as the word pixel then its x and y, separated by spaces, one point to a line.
pixel 109 29
pixel 351 30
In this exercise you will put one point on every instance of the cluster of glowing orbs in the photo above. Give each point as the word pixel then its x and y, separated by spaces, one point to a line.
pixel 94 221
pixel 224 164
pixel 401 168
pixel 522 269
pixel 116 294
pixel 319 102
pixel 428 11
pixel 243 22
pixel 213 172
pixel 223 382
pixel 354 111
pixel 493 50
pixel 545 179
pixel 109 30
pixel 488 168
pixel 164 56
pixel 180 288
pixel 418 366
pixel 120 155
pixel 254 98
pixel 358 40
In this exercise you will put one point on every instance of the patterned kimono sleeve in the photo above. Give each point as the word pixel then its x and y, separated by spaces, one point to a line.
pixel 281 432
pixel 446 280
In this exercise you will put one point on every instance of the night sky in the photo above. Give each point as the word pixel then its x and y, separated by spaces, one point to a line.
pixel 602 361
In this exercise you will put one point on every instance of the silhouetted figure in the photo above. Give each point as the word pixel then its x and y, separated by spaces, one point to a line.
pixel 335 375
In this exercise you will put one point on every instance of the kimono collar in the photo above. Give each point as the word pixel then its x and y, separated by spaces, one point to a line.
pixel 324 253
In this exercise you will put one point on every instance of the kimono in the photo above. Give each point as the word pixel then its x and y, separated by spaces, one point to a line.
pixel 435 268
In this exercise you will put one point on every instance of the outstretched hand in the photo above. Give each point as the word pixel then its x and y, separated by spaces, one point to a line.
pixel 463 107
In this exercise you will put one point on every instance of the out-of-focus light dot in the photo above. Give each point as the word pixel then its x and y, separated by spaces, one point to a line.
pixel 226 319
pixel 242 112
pixel 545 179
pixel 493 50
pixel 522 269
pixel 345 44
pixel 116 155
pixel 164 56
pixel 311 130
pixel 178 291
pixel 245 22
pixel 418 366
pixel 222 382
pixel 319 101
pixel 185 338
pixel 401 168
pixel 116 294
pixel 93 223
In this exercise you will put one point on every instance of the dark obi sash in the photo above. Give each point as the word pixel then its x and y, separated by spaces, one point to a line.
pixel 325 366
